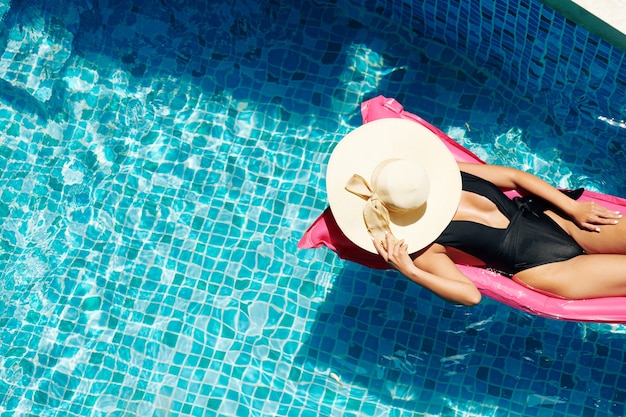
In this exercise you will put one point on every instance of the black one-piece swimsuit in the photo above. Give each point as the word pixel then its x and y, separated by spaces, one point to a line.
pixel 531 238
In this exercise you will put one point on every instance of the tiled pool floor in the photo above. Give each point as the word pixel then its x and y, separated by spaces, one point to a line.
pixel 158 164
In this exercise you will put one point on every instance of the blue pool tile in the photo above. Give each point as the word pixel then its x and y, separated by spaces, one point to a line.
pixel 169 282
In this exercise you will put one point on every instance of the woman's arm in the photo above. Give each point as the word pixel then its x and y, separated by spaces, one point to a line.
pixel 432 269
pixel 587 215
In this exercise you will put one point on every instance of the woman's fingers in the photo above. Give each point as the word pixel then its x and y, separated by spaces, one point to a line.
pixel 592 214
pixel 602 212
pixel 395 246
pixel 390 249
pixel 401 248
pixel 380 249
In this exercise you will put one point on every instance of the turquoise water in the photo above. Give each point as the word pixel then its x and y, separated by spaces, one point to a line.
pixel 160 161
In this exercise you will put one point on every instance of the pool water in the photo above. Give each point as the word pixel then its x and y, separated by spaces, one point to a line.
pixel 159 162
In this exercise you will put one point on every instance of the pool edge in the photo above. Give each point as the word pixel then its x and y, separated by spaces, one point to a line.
pixel 606 20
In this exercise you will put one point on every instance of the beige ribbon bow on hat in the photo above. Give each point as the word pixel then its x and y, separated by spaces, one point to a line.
pixel 375 213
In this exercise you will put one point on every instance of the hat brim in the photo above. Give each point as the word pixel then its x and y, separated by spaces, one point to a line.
pixel 361 150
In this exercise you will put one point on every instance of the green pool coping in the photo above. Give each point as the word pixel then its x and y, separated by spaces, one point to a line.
pixel 606 18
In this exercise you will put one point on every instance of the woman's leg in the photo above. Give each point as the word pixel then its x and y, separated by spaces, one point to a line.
pixel 610 239
pixel 585 276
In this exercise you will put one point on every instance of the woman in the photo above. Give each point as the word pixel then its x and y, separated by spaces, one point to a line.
pixel 597 272
pixel 570 249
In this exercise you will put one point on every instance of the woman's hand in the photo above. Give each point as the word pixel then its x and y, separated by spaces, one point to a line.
pixel 395 253
pixel 437 272
pixel 588 215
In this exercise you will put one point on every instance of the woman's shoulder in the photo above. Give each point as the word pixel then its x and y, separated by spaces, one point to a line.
pixel 500 176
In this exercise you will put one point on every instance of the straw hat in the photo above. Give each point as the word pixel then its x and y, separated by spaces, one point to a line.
pixel 392 175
